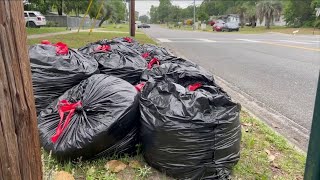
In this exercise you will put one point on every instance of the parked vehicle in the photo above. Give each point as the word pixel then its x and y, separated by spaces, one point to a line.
pixel 231 26
pixel 222 26
pixel 218 25
pixel 143 26
pixel 34 19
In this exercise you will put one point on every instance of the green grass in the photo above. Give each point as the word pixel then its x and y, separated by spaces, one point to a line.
pixel 116 27
pixel 257 140
pixel 256 30
pixel 42 30
pixel 76 40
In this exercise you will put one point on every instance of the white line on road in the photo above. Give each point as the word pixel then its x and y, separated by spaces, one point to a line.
pixel 297 42
pixel 207 40
pixel 248 40
pixel 164 40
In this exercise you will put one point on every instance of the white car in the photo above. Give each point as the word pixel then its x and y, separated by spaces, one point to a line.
pixel 34 19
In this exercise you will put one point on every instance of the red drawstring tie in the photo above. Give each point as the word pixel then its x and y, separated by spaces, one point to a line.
pixel 45 42
pixel 64 106
pixel 145 55
pixel 129 40
pixel 104 48
pixel 61 48
pixel 194 86
pixel 152 62
pixel 139 86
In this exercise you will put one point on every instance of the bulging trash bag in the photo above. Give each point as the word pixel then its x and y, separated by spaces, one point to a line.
pixel 189 132
pixel 97 117
pixel 116 59
pixel 56 68
pixel 181 74
pixel 175 60
pixel 150 51
pixel 129 42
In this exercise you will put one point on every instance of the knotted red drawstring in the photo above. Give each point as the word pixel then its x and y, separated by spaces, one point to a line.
pixel 139 86
pixel 195 86
pixel 45 42
pixel 104 48
pixel 129 40
pixel 61 48
pixel 145 55
pixel 64 106
pixel 152 62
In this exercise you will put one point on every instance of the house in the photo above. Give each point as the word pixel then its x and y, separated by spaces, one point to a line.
pixel 276 22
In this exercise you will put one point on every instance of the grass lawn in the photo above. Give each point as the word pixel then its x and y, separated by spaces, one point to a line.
pixel 256 30
pixel 264 153
pixel 76 40
pixel 42 30
pixel 116 27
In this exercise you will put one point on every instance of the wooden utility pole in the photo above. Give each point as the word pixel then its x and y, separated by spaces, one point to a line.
pixel 20 157
pixel 132 18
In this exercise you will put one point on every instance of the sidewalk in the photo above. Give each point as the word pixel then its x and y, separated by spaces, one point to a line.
pixel 34 36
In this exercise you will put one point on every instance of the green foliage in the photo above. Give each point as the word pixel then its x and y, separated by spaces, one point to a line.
pixel 298 13
pixel 162 10
pixel 144 19
pixel 268 10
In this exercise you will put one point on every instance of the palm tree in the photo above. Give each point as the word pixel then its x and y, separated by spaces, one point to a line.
pixel 268 10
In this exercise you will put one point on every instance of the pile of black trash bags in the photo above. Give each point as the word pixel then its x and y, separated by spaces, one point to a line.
pixel 108 96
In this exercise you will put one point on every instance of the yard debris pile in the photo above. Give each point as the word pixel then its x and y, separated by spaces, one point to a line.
pixel 134 93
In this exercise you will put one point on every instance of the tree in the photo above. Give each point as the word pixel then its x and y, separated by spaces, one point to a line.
pixel 268 10
pixel 174 14
pixel 154 14
pixel 162 10
pixel 144 19
pixel 114 11
pixel 78 6
pixel 297 13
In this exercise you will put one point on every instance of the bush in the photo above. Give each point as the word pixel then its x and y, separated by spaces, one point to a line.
pixel 317 24
pixel 51 24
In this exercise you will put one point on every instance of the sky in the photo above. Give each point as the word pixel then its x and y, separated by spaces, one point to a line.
pixel 143 6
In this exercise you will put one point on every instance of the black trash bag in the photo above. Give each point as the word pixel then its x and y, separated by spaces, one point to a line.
pixel 176 60
pixel 103 120
pixel 150 51
pixel 116 59
pixel 129 42
pixel 54 72
pixel 189 133
pixel 181 74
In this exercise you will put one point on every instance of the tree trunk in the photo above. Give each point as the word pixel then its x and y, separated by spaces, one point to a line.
pixel 20 155
pixel 102 20
pixel 253 21
pixel 59 7
pixel 242 20
pixel 268 19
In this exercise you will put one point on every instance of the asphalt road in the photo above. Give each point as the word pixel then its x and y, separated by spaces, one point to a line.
pixel 278 71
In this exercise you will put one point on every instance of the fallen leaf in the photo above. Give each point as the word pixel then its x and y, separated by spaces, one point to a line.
pixel 247 124
pixel 271 157
pixel 115 166
pixel 135 164
pixel 63 175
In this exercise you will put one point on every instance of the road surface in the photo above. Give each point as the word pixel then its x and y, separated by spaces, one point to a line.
pixel 275 72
